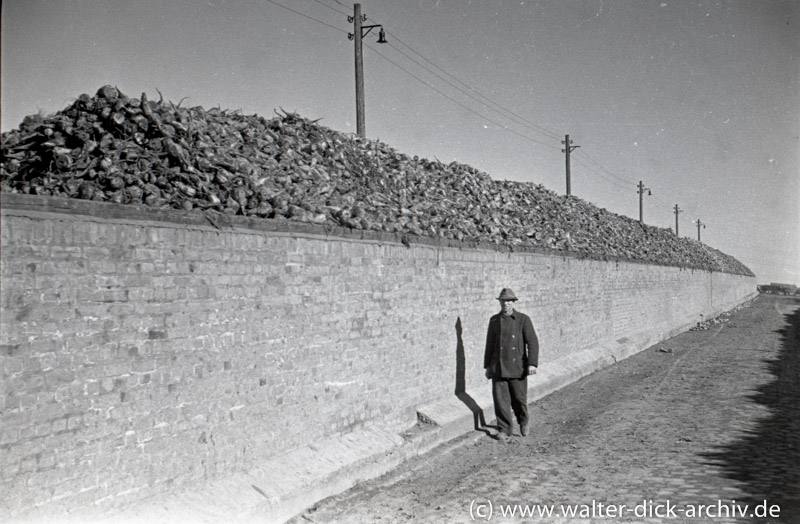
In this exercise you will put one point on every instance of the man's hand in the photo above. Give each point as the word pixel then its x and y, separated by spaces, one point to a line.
pixel 488 374
pixel 531 370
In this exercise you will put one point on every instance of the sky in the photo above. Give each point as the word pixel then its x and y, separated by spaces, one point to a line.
pixel 699 100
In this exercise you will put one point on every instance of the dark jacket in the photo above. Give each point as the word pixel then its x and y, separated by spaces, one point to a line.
pixel 511 346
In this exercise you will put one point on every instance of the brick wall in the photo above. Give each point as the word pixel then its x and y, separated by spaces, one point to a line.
pixel 148 350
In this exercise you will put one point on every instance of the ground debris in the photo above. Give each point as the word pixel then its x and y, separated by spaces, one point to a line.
pixel 707 324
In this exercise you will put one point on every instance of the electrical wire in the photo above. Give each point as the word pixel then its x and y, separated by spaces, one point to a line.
pixel 484 117
pixel 627 183
pixel 306 16
pixel 488 102
pixel 594 172
pixel 515 118
pixel 320 2
pixel 603 169
pixel 502 111
pixel 658 201
pixel 661 201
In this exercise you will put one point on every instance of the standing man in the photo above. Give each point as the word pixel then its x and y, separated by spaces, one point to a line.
pixel 512 353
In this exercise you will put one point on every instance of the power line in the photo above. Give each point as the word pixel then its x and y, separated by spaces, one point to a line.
pixel 332 8
pixel 609 173
pixel 519 120
pixel 615 177
pixel 514 117
pixel 484 117
pixel 592 170
pixel 541 129
pixel 606 171
pixel 660 201
pixel 306 16
pixel 488 102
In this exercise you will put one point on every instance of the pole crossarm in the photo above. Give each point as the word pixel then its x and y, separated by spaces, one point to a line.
pixel 368 28
pixel 677 211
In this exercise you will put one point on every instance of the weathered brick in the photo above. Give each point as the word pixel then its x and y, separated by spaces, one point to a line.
pixel 107 385
pixel 44 428
pixel 12 366
pixel 47 460
pixel 64 490
pixel 163 330
pixel 74 422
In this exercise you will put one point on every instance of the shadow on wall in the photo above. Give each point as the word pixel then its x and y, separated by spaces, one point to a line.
pixel 766 462
pixel 461 383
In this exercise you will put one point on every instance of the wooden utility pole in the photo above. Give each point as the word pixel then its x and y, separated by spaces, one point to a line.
pixel 568 148
pixel 357 36
pixel 698 228
pixel 677 210
pixel 359 70
pixel 641 191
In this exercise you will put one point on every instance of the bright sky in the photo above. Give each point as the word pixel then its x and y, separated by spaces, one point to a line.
pixel 700 100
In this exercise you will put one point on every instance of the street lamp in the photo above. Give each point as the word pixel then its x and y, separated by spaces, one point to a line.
pixel 641 191
pixel 699 225
pixel 359 32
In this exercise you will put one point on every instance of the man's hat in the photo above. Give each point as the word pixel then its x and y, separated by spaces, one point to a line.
pixel 507 294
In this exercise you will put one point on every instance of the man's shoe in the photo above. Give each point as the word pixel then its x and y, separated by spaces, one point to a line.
pixel 523 430
pixel 501 436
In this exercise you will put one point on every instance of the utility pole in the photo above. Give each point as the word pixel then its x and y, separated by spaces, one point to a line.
pixel 698 228
pixel 357 35
pixel 677 210
pixel 568 148
pixel 641 191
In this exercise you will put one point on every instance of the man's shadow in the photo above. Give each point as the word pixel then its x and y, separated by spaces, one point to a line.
pixel 461 383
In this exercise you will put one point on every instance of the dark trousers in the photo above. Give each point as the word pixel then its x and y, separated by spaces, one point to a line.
pixel 510 395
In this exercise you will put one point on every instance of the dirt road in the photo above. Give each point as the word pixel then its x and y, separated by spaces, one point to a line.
pixel 708 418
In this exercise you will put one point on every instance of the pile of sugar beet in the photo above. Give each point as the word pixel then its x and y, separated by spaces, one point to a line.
pixel 113 148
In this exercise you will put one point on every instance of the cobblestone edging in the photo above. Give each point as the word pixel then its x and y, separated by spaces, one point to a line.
pixel 144 353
